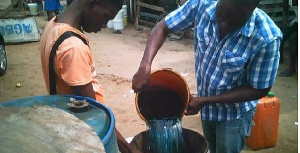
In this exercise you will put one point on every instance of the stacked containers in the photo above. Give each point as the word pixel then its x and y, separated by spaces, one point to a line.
pixel 118 21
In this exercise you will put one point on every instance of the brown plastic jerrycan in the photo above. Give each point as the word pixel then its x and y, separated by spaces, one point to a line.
pixel 167 79
pixel 265 131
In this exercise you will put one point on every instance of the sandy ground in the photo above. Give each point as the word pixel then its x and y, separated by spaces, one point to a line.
pixel 117 58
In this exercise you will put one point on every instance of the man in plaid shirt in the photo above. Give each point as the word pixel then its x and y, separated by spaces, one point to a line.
pixel 236 61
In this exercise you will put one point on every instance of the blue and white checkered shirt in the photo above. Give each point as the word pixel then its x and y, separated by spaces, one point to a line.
pixel 247 56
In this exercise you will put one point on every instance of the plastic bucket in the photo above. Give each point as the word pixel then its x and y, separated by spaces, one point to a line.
pixel 118 24
pixel 194 141
pixel 110 24
pixel 168 79
pixel 118 21
pixel 98 116
pixel 124 8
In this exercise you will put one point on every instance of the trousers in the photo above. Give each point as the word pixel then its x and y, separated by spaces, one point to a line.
pixel 228 136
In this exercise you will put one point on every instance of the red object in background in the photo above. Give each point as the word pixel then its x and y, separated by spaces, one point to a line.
pixel 265 131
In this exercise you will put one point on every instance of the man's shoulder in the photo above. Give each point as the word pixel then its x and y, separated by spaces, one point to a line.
pixel 208 2
pixel 55 30
pixel 58 29
pixel 202 3
pixel 265 26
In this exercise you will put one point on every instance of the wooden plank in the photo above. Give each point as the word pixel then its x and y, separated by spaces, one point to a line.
pixel 280 19
pixel 146 23
pixel 277 19
pixel 153 7
pixel 137 16
pixel 273 10
pixel 277 8
pixel 12 14
pixel 134 8
pixel 263 2
pixel 138 20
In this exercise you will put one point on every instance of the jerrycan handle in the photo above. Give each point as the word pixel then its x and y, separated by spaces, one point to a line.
pixel 167 68
pixel 271 94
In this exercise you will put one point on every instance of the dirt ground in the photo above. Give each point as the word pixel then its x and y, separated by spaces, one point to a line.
pixel 117 58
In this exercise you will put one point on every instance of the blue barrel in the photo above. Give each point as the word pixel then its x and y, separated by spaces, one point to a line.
pixel 99 116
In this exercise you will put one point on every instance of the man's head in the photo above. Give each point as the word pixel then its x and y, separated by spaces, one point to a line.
pixel 98 12
pixel 233 14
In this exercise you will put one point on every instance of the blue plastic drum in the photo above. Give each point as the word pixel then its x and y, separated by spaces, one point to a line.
pixel 98 116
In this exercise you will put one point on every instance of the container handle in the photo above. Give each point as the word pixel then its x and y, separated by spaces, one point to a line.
pixel 167 68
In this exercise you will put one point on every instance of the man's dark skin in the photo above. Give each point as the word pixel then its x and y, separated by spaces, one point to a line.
pixel 230 17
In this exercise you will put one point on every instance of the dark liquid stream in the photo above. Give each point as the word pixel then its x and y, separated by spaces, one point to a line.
pixel 162 110
pixel 164 136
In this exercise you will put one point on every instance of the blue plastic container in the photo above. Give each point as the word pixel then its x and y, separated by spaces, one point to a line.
pixel 99 117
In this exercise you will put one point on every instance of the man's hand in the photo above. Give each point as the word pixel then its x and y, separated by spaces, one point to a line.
pixel 195 104
pixel 124 146
pixel 140 79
